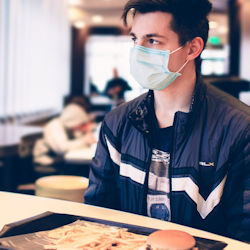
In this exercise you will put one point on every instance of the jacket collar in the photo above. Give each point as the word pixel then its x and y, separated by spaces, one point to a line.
pixel 141 117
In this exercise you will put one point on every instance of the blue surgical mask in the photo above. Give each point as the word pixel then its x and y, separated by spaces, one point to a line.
pixel 149 67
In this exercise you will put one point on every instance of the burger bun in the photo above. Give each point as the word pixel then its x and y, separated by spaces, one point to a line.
pixel 170 239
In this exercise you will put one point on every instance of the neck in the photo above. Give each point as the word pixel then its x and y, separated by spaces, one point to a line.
pixel 176 97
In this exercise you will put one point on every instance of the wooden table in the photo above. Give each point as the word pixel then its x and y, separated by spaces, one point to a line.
pixel 16 207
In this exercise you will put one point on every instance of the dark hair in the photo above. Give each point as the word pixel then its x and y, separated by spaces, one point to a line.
pixel 189 17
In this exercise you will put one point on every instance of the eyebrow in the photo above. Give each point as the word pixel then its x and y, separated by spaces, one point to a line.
pixel 155 35
pixel 149 35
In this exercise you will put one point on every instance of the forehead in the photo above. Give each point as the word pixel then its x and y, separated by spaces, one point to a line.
pixel 153 22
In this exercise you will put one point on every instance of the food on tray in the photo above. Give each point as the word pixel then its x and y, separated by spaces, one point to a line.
pixel 89 235
pixel 170 239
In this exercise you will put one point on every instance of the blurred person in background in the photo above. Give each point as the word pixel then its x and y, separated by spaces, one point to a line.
pixel 93 89
pixel 180 152
pixel 73 129
pixel 116 88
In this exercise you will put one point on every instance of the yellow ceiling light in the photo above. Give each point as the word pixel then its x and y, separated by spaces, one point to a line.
pixel 97 19
pixel 76 14
pixel 223 29
pixel 79 24
pixel 213 25
pixel 75 2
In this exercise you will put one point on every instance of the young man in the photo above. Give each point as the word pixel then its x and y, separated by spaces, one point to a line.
pixel 180 152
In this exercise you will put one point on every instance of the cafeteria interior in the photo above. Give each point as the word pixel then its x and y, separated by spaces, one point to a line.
pixel 58 53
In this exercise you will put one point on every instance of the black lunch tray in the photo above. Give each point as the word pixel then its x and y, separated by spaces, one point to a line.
pixel 49 220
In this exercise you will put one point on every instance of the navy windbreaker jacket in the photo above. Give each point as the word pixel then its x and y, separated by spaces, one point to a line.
pixel 209 165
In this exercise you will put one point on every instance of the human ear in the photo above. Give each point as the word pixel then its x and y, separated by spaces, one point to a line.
pixel 195 48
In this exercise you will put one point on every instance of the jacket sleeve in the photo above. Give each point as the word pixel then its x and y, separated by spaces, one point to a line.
pixel 103 189
pixel 238 192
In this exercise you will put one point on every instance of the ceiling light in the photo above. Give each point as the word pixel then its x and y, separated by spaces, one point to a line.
pixel 97 19
pixel 213 25
pixel 223 30
pixel 76 14
pixel 75 2
pixel 79 24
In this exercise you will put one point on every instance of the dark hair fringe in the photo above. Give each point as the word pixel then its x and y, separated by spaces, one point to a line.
pixel 190 10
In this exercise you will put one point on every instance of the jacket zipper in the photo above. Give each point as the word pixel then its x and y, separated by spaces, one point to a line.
pixel 170 170
pixel 145 187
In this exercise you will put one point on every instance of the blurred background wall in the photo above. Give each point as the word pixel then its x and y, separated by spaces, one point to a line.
pixel 35 56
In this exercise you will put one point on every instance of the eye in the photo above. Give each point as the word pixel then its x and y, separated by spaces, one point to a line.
pixel 134 39
pixel 153 41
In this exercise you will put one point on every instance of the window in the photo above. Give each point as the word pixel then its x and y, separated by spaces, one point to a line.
pixel 35 56
pixel 103 54
pixel 215 58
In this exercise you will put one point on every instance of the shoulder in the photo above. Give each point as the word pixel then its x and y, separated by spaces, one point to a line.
pixel 224 102
pixel 227 112
pixel 118 116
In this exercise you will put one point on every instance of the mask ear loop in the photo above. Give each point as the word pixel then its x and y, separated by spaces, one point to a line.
pixel 175 50
pixel 182 66
pixel 184 63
